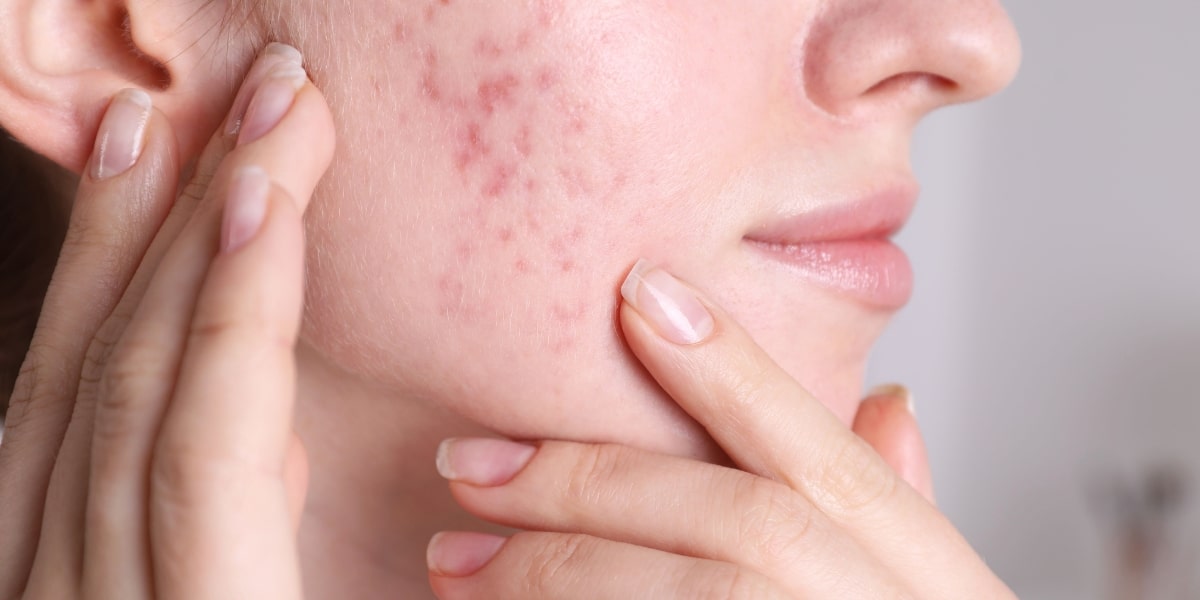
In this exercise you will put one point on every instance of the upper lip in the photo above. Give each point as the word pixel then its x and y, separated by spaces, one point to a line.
pixel 877 215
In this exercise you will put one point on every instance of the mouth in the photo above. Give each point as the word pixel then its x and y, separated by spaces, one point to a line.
pixel 846 248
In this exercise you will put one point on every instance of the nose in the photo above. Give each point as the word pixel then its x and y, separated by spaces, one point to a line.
pixel 864 56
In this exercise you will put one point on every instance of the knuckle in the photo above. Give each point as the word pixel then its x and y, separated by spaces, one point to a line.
pixel 724 581
pixel 853 479
pixel 101 347
pixel 252 325
pixel 555 562
pixel 592 471
pixel 187 474
pixel 777 524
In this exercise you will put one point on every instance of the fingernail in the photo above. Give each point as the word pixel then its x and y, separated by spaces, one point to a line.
pixel 245 208
pixel 895 390
pixel 668 304
pixel 122 134
pixel 272 56
pixel 454 554
pixel 482 462
pixel 272 101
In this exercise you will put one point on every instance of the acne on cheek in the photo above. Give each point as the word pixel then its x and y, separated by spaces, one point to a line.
pixel 520 144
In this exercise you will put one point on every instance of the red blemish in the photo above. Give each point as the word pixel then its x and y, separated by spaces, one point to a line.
pixel 471 147
pixel 530 185
pixel 496 91
pixel 523 40
pixel 546 78
pixel 522 266
pixel 402 31
pixel 428 13
pixel 486 47
pixel 566 266
pixel 500 180
pixel 506 235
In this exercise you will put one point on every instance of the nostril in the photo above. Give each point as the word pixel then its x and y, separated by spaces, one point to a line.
pixel 897 84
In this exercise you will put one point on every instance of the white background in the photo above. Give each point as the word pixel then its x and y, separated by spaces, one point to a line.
pixel 1056 324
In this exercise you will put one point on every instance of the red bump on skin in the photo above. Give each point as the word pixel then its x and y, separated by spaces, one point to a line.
pixel 500 180
pixel 401 31
pixel 486 47
pixel 471 147
pixel 566 266
pixel 522 266
pixel 546 79
pixel 496 91
pixel 506 235
pixel 530 185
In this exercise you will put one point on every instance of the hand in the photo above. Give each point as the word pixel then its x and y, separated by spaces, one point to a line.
pixel 149 450
pixel 813 512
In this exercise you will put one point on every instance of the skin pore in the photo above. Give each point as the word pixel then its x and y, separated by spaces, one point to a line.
pixel 501 166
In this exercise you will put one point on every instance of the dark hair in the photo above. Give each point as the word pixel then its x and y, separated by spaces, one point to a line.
pixel 34 207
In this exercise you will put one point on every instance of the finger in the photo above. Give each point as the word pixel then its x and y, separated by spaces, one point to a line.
pixel 131 399
pixel 142 370
pixel 219 462
pixel 533 566
pixel 295 477
pixel 886 421
pixel 654 500
pixel 772 426
pixel 122 199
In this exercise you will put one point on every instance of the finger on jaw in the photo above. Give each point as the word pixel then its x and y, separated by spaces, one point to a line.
pixel 771 426
pixel 655 500
pixel 885 421
pixel 535 566
pixel 141 371
pixel 113 223
pixel 220 459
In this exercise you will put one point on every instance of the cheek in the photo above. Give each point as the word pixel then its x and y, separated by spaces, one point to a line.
pixel 516 159
pixel 536 153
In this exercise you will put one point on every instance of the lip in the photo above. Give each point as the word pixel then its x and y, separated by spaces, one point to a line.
pixel 846 247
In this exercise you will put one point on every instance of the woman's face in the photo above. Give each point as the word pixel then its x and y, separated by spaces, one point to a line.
pixel 502 165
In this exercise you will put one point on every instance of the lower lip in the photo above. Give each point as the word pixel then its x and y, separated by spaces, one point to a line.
pixel 873 271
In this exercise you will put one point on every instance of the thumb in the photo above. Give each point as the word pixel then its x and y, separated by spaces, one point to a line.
pixel 886 421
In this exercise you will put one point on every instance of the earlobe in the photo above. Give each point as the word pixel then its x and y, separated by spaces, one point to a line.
pixel 64 60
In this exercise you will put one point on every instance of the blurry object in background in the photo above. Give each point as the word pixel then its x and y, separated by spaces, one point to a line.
pixel 1150 552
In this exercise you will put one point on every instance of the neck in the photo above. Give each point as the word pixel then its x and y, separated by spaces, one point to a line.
pixel 374 497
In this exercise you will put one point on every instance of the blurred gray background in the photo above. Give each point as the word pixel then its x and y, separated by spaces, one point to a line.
pixel 1055 331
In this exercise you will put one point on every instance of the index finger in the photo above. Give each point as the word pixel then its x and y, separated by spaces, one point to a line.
pixel 770 425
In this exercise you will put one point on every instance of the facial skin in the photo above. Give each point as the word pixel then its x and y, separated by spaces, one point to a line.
pixel 503 164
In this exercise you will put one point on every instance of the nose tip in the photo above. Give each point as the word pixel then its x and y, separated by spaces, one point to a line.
pixel 929 53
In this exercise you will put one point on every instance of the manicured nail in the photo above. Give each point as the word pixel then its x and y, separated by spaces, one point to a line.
pixel 122 134
pixel 272 56
pixel 896 390
pixel 454 554
pixel 482 462
pixel 272 101
pixel 245 209
pixel 668 304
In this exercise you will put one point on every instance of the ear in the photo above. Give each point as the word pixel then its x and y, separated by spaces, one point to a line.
pixel 64 59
